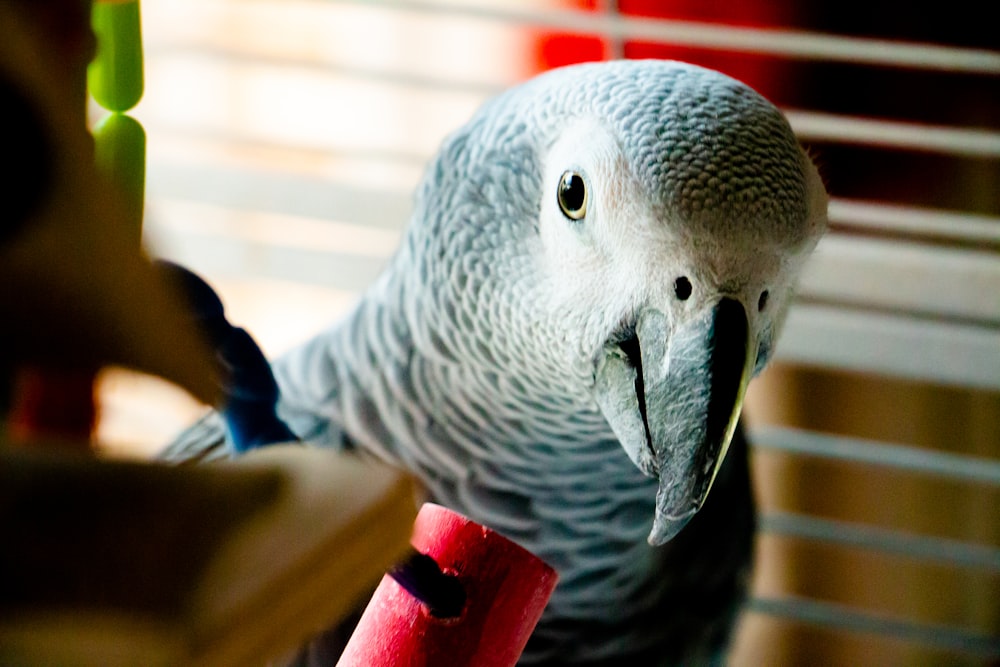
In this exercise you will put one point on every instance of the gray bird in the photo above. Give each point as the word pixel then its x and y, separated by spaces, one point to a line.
pixel 596 265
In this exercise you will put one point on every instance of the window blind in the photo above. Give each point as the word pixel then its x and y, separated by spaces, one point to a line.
pixel 285 138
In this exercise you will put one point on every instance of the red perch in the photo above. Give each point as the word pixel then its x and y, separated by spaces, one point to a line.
pixel 482 597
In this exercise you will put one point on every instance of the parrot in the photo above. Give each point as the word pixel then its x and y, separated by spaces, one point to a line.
pixel 596 265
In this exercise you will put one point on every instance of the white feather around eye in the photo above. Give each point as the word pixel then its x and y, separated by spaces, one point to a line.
pixel 582 258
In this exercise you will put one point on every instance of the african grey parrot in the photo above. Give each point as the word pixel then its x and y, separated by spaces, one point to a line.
pixel 596 264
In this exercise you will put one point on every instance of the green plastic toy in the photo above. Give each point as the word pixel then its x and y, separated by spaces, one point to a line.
pixel 120 153
pixel 115 75
pixel 115 80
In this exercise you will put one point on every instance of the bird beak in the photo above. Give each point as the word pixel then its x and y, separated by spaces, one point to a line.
pixel 673 398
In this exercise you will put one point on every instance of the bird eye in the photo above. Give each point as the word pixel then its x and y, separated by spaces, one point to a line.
pixel 762 301
pixel 572 195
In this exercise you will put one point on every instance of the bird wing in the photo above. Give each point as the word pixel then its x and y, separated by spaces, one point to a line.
pixel 204 440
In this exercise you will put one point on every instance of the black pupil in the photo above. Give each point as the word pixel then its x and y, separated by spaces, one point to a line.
pixel 572 192
pixel 682 288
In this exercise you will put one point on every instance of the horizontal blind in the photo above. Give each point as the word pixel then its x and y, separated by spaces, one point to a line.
pixel 300 79
pixel 286 137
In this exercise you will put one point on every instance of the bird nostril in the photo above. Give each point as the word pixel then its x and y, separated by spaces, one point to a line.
pixel 762 301
pixel 682 288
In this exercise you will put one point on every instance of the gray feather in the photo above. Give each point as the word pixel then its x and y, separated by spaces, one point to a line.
pixel 203 441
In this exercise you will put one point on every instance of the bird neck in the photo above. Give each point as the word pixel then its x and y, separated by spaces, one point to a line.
pixel 505 445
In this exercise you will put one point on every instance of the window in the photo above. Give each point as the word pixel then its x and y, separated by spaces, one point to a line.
pixel 285 137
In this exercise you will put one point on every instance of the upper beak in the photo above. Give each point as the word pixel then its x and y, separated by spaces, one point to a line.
pixel 674 398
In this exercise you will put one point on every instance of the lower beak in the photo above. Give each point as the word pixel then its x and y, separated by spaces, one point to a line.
pixel 687 388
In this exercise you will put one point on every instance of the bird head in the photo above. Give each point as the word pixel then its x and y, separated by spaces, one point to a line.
pixel 668 211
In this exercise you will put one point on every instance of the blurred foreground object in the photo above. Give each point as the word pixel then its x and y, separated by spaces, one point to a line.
pixel 114 563
pixel 108 563
pixel 76 291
